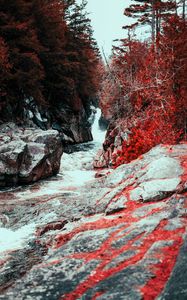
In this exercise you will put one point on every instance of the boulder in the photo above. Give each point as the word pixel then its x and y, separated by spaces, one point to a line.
pixel 74 127
pixel 28 155
pixel 116 134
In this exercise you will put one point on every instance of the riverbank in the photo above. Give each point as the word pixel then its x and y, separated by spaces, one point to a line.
pixel 125 228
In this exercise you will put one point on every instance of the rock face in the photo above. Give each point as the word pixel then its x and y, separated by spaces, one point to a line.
pixel 123 236
pixel 74 127
pixel 71 120
pixel 116 134
pixel 27 155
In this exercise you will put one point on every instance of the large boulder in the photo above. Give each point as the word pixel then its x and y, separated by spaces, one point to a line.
pixel 74 127
pixel 27 155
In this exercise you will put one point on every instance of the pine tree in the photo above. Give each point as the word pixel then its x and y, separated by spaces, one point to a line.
pixel 4 74
pixel 50 53
pixel 83 51
pixel 151 12
pixel 25 72
pixel 50 27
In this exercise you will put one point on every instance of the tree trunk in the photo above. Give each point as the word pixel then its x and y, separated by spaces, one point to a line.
pixel 153 22
pixel 183 8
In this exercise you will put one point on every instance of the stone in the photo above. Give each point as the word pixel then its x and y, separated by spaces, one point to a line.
pixel 176 285
pixel 116 206
pixel 161 168
pixel 155 190
pixel 73 126
pixel 29 156
pixel 102 173
pixel 108 239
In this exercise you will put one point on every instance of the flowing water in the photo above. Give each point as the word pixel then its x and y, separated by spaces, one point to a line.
pixel 76 169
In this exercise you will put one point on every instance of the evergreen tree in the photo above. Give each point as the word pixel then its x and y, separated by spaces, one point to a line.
pixel 48 55
pixel 151 12
pixel 83 53
pixel 25 73
pixel 51 28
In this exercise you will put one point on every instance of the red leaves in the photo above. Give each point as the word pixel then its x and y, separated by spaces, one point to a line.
pixel 153 131
pixel 153 94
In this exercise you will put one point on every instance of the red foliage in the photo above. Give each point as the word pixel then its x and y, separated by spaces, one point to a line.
pixel 155 130
pixel 153 94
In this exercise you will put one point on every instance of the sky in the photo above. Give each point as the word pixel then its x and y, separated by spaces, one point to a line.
pixel 107 20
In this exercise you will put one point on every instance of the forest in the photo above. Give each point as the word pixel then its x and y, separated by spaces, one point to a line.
pixel 49 58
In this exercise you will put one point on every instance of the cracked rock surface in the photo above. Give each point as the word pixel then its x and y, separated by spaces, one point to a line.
pixel 121 236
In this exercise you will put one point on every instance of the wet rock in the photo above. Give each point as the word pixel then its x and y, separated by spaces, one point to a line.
pixel 120 236
pixel 117 133
pixel 11 157
pixel 102 173
pixel 19 263
pixel 100 160
pixel 176 286
pixel 4 219
pixel 28 155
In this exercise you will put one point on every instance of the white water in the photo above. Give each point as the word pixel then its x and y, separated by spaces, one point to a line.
pixel 76 169
pixel 98 135
pixel 12 240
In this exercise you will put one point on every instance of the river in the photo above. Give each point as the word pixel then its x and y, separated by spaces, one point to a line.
pixel 76 169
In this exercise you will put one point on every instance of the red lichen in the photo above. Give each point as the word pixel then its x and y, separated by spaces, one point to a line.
pixel 106 253
pixel 163 269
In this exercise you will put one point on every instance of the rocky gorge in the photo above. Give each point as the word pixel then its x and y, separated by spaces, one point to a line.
pixel 93 150
pixel 32 150
pixel 119 236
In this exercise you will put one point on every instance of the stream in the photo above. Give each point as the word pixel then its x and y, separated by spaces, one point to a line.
pixel 16 227
pixel 120 236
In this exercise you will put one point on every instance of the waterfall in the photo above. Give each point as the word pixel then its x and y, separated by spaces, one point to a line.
pixel 98 134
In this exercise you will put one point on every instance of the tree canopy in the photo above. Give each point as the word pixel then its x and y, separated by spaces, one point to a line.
pixel 47 55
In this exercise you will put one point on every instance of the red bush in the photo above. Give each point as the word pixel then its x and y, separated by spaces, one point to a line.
pixel 158 127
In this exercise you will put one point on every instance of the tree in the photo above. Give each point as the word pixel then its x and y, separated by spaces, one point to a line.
pixel 173 46
pixel 151 12
pixel 154 87
pixel 4 74
pixel 51 53
pixel 84 54
pixel 25 72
